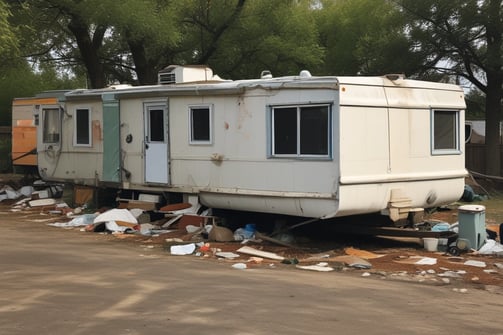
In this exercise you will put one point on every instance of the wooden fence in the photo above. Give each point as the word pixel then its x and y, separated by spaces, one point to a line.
pixel 475 157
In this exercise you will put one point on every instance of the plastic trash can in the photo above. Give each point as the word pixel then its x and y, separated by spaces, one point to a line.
pixel 472 225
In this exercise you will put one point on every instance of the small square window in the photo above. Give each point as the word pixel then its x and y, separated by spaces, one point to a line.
pixel 445 132
pixel 200 125
pixel 82 135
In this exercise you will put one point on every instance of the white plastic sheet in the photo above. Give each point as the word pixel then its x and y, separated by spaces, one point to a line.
pixel 81 220
pixel 491 247
pixel 183 249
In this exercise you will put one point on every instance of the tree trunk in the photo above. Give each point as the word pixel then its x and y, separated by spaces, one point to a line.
pixel 89 51
pixel 144 70
pixel 493 119
pixel 494 94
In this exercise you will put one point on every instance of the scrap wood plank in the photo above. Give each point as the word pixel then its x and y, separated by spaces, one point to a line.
pixel 42 202
pixel 260 253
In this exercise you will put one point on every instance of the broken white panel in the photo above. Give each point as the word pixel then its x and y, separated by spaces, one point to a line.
pixel 116 214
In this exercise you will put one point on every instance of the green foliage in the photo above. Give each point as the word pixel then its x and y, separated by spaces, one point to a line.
pixel 475 105
pixel 365 37
pixel 280 36
pixel 8 40
pixel 21 81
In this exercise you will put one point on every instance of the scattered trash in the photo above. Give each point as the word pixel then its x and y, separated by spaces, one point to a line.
pixel 82 220
pixel 442 226
pixel 418 260
pixel 115 227
pixel 173 240
pixel 246 233
pixel 451 274
pixel 478 264
pixel 42 202
pixel 366 274
pixel 255 260
pixel 491 247
pixel 321 267
pixel 426 261
pixel 260 253
pixel 290 261
pixel 183 249
pixel 227 255
pixel 353 261
pixel 220 234
pixel 361 253
pixel 239 266
pixel 116 214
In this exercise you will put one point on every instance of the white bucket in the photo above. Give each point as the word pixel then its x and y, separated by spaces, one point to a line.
pixel 430 243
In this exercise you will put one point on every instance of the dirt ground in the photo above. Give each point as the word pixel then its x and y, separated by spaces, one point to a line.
pixel 390 258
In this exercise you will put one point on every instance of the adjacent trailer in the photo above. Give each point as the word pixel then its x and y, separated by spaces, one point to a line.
pixel 24 131
pixel 317 147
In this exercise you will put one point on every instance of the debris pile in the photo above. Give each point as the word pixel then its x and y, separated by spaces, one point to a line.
pixel 184 229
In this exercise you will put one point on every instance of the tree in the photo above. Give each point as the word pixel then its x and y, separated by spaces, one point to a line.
pixel 365 37
pixel 8 40
pixel 464 38
pixel 239 39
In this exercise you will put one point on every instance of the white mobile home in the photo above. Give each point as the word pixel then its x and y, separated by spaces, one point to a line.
pixel 307 146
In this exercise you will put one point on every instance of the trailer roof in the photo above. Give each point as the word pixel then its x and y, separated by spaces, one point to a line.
pixel 223 87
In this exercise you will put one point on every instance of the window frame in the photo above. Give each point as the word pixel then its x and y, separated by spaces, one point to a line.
pixel 44 125
pixel 192 140
pixel 456 149
pixel 298 155
pixel 76 127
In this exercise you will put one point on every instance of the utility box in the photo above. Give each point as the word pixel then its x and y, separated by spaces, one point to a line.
pixel 472 225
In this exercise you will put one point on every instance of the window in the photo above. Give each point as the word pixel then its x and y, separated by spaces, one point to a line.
pixel 82 134
pixel 200 125
pixel 445 132
pixel 156 122
pixel 301 131
pixel 52 125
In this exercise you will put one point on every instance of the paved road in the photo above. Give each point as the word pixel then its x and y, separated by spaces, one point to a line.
pixel 55 281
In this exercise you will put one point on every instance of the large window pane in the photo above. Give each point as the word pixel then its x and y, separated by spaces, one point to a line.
pixel 200 124
pixel 445 130
pixel 314 130
pixel 301 130
pixel 285 131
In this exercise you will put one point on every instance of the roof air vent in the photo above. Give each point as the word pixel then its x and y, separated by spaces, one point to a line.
pixel 305 74
pixel 266 74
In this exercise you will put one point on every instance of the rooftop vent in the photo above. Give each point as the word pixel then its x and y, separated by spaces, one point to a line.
pixel 305 74
pixel 175 74
pixel 266 74
pixel 395 76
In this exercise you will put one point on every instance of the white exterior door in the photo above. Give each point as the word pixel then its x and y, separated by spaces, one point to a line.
pixel 156 143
